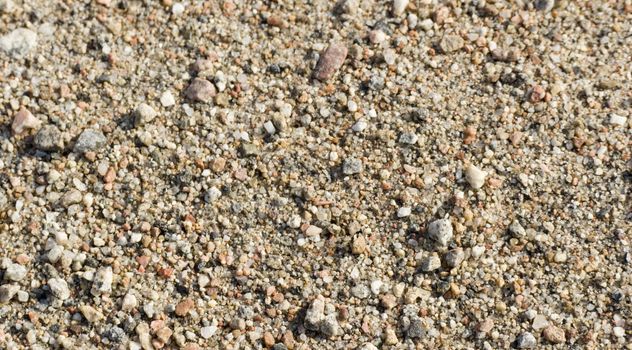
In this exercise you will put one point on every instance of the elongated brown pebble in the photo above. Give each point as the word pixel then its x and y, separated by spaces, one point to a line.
pixel 330 61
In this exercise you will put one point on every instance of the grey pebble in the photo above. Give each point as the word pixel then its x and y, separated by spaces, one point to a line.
pixel 15 272
pixel 408 138
pixel 451 43
pixel 454 257
pixel 90 140
pixel 430 263
pixel 59 288
pixel 526 340
pixel 352 166
pixel 7 292
pixel 48 139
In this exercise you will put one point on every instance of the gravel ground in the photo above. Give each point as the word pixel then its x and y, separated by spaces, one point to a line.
pixel 360 174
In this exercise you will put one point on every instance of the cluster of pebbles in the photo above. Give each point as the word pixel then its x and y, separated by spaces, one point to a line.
pixel 358 174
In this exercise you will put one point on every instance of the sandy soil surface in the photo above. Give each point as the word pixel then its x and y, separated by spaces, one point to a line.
pixel 311 174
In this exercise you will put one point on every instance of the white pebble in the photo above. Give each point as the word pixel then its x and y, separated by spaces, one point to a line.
pixel 399 6
pixel 269 127
pixel 475 176
pixel 352 106
pixel 359 126
pixel 618 120
pixel 403 212
pixel 177 9
pixel 167 99
pixel 376 286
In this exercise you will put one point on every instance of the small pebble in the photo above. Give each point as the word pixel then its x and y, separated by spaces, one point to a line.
pixel 403 212
pixel 90 140
pixel 430 263
pixel 352 166
pixel 451 43
pixel 440 231
pixel 526 340
pixel 143 114
pixel 330 61
pixel 19 42
pixel 399 6
pixel 7 292
pixel 454 257
pixel 539 322
pixel 200 90
pixel 544 5
pixel 618 120
pixel 59 288
pixel 15 272
pixel 554 334
pixel 167 99
pixel 102 282
pixel 475 176
pixel 208 331
pixel 48 139
pixel 408 138
pixel 23 120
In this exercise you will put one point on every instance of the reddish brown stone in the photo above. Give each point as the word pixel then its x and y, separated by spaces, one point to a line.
pixel 330 61
pixel 183 307
pixel 201 90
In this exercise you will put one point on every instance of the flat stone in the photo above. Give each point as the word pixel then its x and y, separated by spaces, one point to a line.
pixel 167 99
pixel 403 212
pixel 208 331
pixel 330 61
pixel 539 322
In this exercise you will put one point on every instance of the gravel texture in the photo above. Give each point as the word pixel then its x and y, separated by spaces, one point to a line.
pixel 351 174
